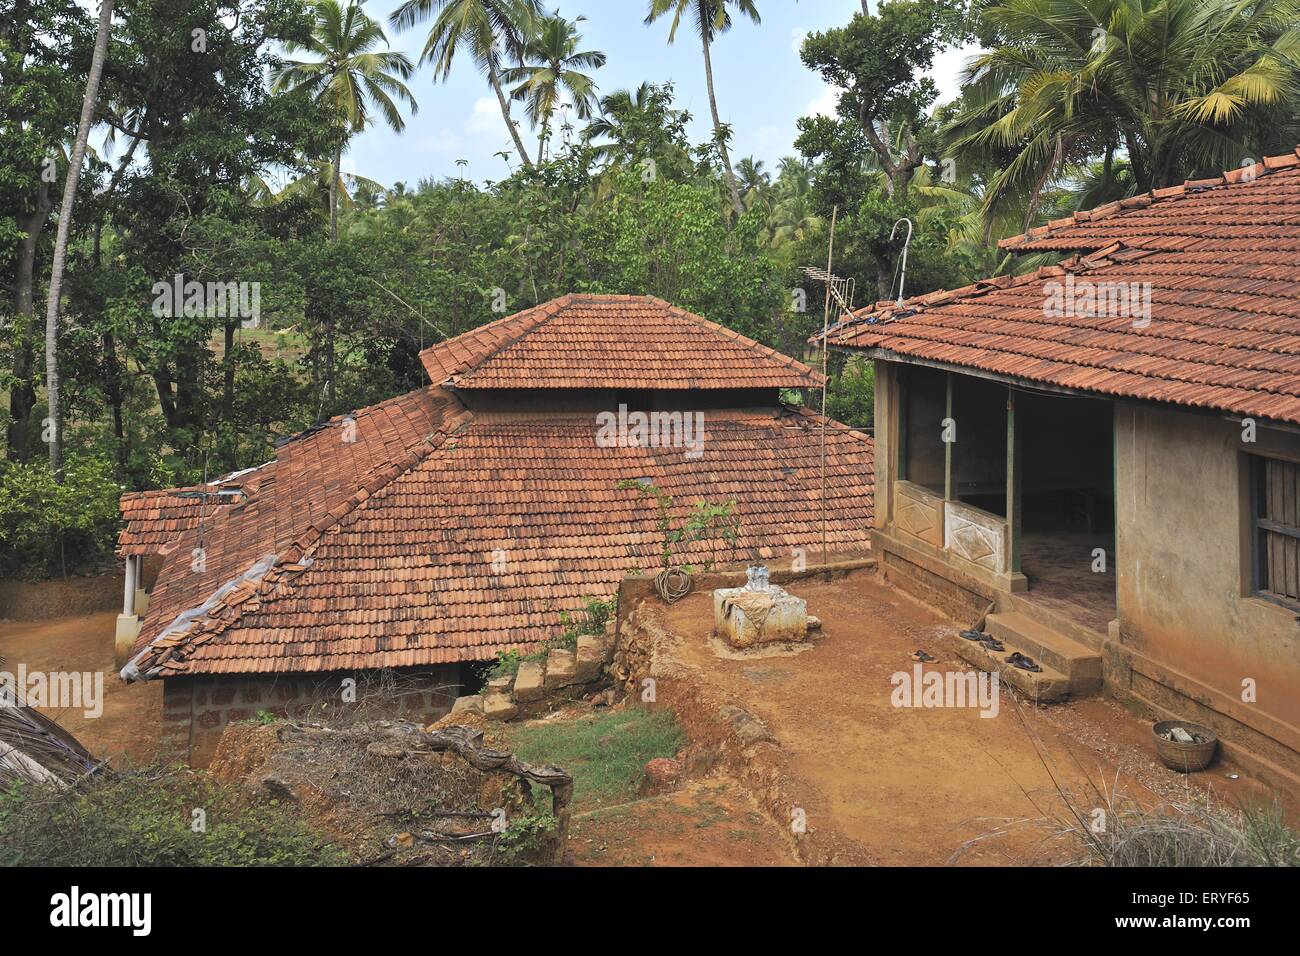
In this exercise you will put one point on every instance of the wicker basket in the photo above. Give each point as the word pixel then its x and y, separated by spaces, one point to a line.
pixel 1185 758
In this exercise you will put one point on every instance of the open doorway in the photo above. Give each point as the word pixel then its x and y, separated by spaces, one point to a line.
pixel 1067 542
pixel 1066 530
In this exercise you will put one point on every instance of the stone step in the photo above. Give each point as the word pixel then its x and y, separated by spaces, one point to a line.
pixel 1046 685
pixel 1049 648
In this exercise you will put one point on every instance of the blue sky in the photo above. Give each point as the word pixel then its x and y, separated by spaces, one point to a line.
pixel 762 87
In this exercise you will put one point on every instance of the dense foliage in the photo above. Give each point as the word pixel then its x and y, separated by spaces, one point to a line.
pixel 43 522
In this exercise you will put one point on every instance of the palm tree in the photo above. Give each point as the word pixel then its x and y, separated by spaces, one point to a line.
pixel 793 216
pixel 486 28
pixel 753 181
pixel 1179 86
pixel 555 68
pixel 712 18
pixel 319 182
pixel 624 117
pixel 55 425
pixel 350 77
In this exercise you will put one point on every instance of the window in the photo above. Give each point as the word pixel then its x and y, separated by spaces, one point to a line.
pixel 1277 530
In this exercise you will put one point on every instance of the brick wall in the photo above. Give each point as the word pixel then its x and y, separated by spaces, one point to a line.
pixel 197 709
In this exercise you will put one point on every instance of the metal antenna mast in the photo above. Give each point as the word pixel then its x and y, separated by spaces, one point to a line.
pixel 902 278
pixel 826 324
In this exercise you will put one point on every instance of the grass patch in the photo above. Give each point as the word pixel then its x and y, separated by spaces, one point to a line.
pixel 605 754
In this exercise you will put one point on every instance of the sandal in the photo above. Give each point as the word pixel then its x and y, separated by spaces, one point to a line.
pixel 1024 663
pixel 920 655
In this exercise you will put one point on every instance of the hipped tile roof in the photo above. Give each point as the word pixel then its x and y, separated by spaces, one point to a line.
pixel 610 342
pixel 1224 329
pixel 416 532
pixel 481 545
pixel 318 478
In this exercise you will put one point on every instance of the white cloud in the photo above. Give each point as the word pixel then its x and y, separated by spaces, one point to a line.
pixel 797 36
pixel 486 117
pixel 947 69
pixel 825 104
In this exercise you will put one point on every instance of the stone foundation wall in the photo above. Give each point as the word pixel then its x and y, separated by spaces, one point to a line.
pixel 196 710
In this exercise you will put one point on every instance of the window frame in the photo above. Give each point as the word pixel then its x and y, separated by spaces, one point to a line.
pixel 1258 465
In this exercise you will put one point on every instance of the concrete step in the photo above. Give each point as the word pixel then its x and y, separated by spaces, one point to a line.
pixel 1046 685
pixel 1049 648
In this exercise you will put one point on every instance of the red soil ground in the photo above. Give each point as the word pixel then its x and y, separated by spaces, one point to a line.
pixel 127 731
pixel 916 786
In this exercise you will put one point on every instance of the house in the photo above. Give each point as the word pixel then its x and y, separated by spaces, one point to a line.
pixel 435 530
pixel 1106 452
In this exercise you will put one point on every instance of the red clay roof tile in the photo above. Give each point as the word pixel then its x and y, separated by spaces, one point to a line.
pixel 1259 201
pixel 606 341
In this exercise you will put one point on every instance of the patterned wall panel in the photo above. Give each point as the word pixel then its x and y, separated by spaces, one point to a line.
pixel 919 513
pixel 976 535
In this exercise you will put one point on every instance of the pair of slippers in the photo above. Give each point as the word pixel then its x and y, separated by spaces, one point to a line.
pixel 1024 663
pixel 987 640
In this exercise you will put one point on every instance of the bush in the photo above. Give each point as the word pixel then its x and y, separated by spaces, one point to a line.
pixel 148 818
pixel 531 836
pixel 596 612
pixel 1188 833
pixel 851 395
pixel 47 527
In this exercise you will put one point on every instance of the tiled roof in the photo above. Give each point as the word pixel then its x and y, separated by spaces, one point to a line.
pixel 1219 256
pixel 1224 330
pixel 610 342
pixel 152 521
pixel 477 543
pixel 318 478
pixel 1245 209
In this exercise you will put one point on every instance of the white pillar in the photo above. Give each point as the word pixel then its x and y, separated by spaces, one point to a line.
pixel 128 595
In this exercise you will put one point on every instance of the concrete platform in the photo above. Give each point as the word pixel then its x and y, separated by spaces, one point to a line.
pixel 1046 685
pixel 1048 647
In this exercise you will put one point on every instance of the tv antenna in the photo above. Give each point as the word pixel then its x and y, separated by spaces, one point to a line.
pixel 841 290
pixel 902 277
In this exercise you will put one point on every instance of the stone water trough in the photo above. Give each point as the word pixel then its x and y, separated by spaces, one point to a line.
pixel 759 613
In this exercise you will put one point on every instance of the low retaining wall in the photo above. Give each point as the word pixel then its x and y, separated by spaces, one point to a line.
pixel 43 600
pixel 196 710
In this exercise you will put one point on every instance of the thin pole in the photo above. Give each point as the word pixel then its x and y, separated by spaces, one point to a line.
pixel 826 326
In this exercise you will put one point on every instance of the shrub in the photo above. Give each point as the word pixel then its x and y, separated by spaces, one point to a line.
pixel 45 526
pixel 148 818
pixel 506 664
pixel 530 837
pixel 1195 832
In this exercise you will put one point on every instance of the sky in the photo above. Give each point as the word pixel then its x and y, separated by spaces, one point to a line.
pixel 762 87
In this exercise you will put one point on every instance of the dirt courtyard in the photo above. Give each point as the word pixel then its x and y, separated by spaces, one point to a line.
pixel 910 786
pixel 928 786
pixel 128 729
